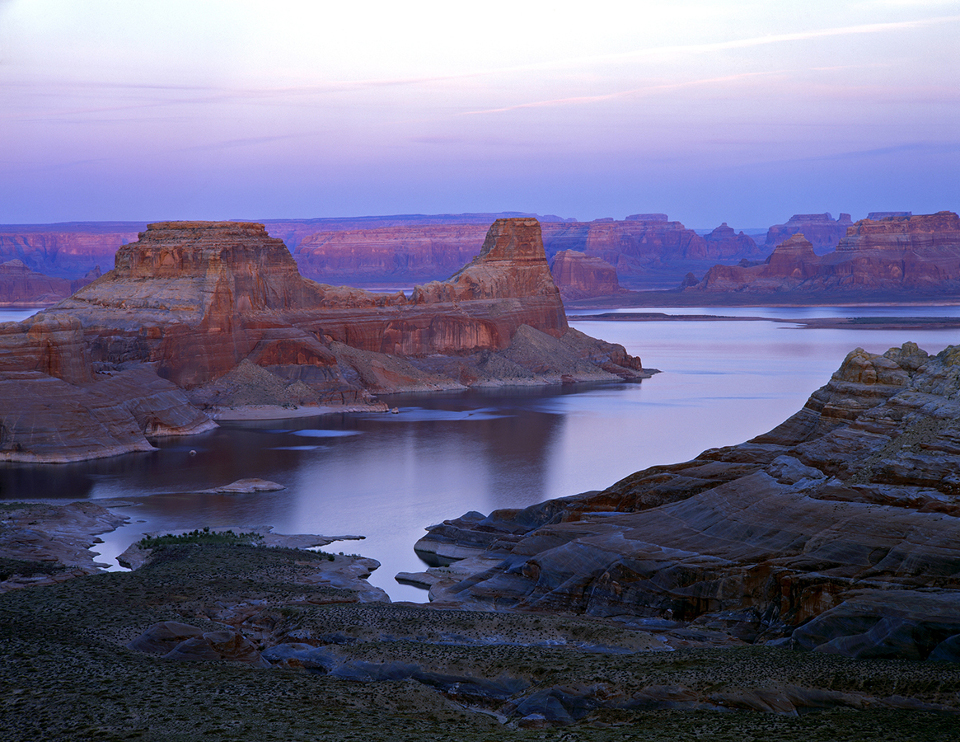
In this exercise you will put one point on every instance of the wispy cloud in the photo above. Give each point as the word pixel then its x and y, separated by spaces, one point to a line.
pixel 632 92
pixel 822 33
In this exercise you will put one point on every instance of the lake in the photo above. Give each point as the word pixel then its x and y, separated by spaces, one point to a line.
pixel 387 477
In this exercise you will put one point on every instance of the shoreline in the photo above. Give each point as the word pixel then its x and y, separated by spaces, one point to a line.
pixel 674 298
pixel 813 323
pixel 241 413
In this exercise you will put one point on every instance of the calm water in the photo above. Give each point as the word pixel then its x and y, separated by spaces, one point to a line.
pixel 388 476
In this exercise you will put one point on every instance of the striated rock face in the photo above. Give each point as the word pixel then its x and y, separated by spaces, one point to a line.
pixel 579 276
pixel 401 254
pixel 821 230
pixel 908 253
pixel 220 310
pixel 791 263
pixel 838 530
pixel 645 249
pixel 20 286
pixel 925 234
pixel 640 248
pixel 65 250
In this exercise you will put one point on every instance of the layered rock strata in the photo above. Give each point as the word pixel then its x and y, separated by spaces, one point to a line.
pixel 220 310
pixel 579 276
pixel 640 248
pixel 821 230
pixel 69 250
pixel 837 531
pixel 645 249
pixel 901 253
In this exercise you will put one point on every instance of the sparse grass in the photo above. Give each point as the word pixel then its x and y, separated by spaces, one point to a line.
pixel 66 673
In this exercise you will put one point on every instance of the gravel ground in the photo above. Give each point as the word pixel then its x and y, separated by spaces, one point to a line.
pixel 66 674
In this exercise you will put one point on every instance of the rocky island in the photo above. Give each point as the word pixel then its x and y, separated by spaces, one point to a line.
pixel 201 319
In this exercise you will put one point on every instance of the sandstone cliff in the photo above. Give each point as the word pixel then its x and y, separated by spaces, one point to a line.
pixel 20 286
pixel 55 408
pixel 837 531
pixel 580 276
pixel 219 310
pixel 400 254
pixel 68 250
pixel 645 249
pixel 821 230
pixel 901 254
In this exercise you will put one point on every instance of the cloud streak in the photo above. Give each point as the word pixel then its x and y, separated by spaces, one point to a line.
pixel 639 92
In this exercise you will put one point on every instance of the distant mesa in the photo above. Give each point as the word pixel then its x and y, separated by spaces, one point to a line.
pixel 896 253
pixel 581 276
pixel 646 250
pixel 821 230
pixel 215 315
pixel 878 215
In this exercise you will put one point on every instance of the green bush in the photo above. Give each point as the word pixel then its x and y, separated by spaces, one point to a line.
pixel 206 536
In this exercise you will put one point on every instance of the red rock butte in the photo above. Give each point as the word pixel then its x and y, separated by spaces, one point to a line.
pixel 220 310
pixel 902 253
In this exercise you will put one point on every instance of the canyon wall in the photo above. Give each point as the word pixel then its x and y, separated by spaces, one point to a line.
pixel 821 230
pixel 644 250
pixel 218 312
pixel 580 276
pixel 69 250
pixel 913 254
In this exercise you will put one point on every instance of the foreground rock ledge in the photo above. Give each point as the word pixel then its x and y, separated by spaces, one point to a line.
pixel 838 531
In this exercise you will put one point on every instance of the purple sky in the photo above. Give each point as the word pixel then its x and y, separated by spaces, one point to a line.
pixel 744 112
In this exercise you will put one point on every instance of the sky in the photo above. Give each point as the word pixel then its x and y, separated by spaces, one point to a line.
pixel 738 112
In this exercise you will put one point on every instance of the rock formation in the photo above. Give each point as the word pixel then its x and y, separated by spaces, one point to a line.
pixel 399 254
pixel 579 276
pixel 724 243
pixel 901 253
pixel 20 286
pixel 821 230
pixel 837 531
pixel 647 250
pixel 219 310
pixel 790 264
pixel 68 250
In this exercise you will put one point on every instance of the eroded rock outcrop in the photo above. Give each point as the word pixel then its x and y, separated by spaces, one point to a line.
pixel 917 254
pixel 777 537
pixel 821 230
pixel 579 276
pixel 220 310
pixel 389 254
pixel 69 250
pixel 643 248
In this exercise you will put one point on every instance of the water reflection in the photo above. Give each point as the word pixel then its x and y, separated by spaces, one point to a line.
pixel 388 476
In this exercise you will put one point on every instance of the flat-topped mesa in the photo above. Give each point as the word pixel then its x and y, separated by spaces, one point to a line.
pixel 791 262
pixel 578 275
pixel 202 267
pixel 919 254
pixel 928 234
pixel 821 229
